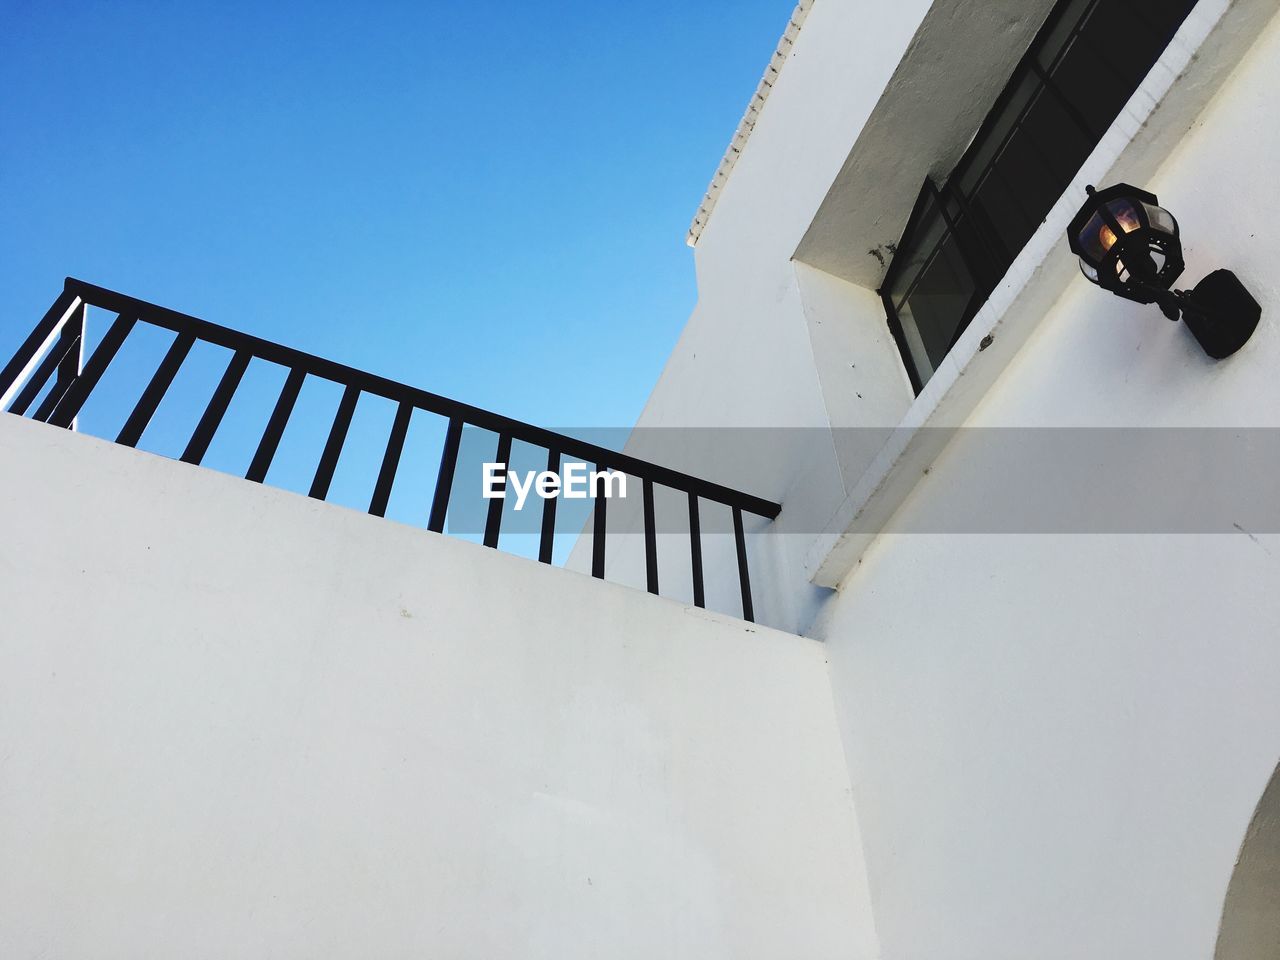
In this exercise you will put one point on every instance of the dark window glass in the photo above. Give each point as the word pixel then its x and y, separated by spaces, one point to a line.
pixel 938 303
pixel 1084 65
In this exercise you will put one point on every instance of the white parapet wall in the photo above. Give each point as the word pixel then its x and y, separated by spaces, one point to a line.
pixel 235 722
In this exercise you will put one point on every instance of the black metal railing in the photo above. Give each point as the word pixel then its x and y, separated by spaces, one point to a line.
pixel 53 353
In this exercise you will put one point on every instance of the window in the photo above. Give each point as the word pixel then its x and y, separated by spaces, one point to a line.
pixel 1082 67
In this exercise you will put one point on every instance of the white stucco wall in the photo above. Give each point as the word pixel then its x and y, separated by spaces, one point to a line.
pixel 1057 742
pixel 358 734
pixel 235 722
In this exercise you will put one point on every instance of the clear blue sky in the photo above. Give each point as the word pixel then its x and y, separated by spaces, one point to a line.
pixel 484 199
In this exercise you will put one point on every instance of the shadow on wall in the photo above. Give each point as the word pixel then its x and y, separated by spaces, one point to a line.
pixel 1250 927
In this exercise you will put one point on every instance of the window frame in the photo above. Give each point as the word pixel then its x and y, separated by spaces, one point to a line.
pixel 981 245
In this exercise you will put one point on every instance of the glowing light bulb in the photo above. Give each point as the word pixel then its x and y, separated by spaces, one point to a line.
pixel 1126 218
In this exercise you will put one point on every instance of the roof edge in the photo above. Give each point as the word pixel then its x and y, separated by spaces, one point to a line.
pixel 748 121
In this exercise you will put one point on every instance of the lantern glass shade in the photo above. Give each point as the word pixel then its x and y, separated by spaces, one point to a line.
pixel 1161 219
pixel 1098 237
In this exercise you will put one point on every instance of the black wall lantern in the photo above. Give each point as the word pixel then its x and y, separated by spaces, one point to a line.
pixel 1128 244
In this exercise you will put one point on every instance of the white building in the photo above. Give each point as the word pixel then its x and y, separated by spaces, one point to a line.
pixel 1013 690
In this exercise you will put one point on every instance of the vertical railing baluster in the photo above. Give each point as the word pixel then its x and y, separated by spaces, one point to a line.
pixel 598 529
pixel 145 409
pixel 38 341
pixel 744 579
pixel 68 408
pixel 333 446
pixel 493 522
pixel 266 451
pixel 51 401
pixel 695 550
pixel 444 479
pixel 650 540
pixel 391 460
pixel 210 420
pixel 69 369
pixel 546 543
pixel 52 359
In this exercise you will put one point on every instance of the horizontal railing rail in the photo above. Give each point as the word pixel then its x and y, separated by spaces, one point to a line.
pixel 54 349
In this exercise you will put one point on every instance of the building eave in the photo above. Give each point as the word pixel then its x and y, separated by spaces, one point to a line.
pixel 748 122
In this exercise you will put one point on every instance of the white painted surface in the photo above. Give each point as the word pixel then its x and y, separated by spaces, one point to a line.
pixel 948 78
pixel 775 342
pixel 746 357
pixel 235 722
pixel 1057 742
pixel 1213 38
